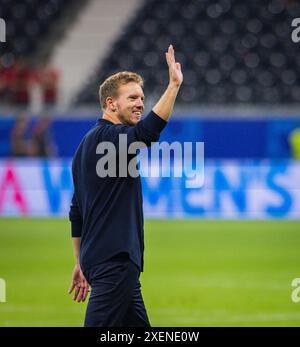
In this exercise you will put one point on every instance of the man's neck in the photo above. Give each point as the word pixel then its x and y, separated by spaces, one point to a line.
pixel 111 117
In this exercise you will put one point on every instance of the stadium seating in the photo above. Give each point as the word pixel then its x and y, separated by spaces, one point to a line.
pixel 231 51
pixel 26 24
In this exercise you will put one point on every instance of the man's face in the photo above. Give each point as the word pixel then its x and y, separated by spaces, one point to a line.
pixel 130 103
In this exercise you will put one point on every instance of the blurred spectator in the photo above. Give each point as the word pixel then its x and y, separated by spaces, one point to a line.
pixel 20 84
pixel 35 140
pixel 48 78
pixel 19 147
pixel 17 80
pixel 3 88
pixel 40 143
pixel 7 76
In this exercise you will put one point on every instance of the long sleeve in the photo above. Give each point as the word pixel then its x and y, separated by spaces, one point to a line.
pixel 107 212
pixel 75 218
pixel 146 131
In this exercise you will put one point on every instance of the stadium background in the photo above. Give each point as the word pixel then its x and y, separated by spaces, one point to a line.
pixel 221 255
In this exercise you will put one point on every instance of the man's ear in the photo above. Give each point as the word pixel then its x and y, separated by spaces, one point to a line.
pixel 110 104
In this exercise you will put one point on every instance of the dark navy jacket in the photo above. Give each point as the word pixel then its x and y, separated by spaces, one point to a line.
pixel 107 212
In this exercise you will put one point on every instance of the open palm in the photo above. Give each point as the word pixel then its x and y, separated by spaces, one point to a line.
pixel 175 73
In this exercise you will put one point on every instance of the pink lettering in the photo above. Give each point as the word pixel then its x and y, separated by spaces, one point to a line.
pixel 10 181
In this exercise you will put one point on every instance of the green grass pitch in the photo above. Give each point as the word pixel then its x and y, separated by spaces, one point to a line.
pixel 197 273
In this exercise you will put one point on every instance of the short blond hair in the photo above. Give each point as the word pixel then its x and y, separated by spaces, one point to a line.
pixel 110 87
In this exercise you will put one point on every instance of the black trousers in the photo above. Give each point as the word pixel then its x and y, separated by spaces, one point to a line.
pixel 116 298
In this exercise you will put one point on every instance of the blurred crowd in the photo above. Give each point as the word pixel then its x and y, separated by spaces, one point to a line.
pixel 29 137
pixel 32 138
pixel 18 79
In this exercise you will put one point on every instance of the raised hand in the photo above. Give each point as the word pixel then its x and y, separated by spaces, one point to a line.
pixel 175 73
